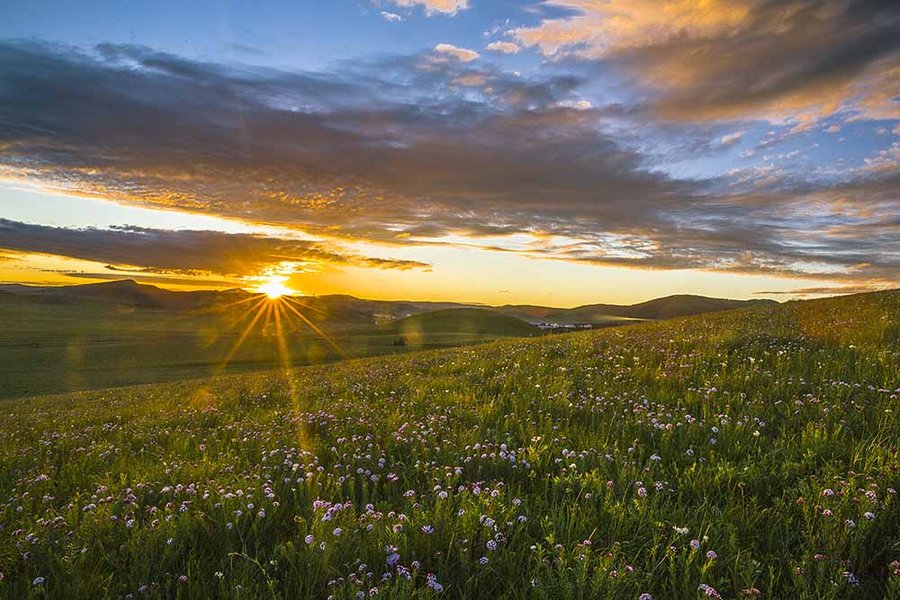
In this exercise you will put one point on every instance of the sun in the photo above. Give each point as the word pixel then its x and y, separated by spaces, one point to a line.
pixel 274 287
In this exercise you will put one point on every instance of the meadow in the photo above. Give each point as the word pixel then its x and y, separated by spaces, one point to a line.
pixel 742 454
pixel 64 348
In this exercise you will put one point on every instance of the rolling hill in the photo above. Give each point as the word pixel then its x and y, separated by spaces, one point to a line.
pixel 668 307
pixel 349 310
pixel 743 454
pixel 70 338
pixel 462 320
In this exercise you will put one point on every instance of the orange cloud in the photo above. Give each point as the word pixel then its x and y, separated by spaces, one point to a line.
pixel 460 54
pixel 725 59
pixel 434 7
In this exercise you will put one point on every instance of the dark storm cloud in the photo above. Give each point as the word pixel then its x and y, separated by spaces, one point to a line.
pixel 176 252
pixel 396 150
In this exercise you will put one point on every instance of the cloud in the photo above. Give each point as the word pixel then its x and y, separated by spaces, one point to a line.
pixel 504 47
pixel 887 160
pixel 460 54
pixel 389 16
pixel 435 7
pixel 723 59
pixel 824 291
pixel 408 152
pixel 730 139
pixel 177 252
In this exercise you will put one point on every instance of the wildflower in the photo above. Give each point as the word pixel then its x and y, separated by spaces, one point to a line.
pixel 491 545
pixel 695 544
pixel 894 566
pixel 645 597
pixel 711 555
pixel 427 529
pixel 38 581
pixel 337 532
pixel 432 582
pixel 483 560
pixel 309 539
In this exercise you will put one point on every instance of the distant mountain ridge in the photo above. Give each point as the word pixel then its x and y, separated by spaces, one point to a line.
pixel 345 309
pixel 668 307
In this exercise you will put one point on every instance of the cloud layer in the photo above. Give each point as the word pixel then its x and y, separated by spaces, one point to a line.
pixel 736 58
pixel 178 252
pixel 411 150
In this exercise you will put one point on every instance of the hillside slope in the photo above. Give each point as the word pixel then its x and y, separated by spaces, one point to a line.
pixel 464 321
pixel 344 310
pixel 668 307
pixel 743 454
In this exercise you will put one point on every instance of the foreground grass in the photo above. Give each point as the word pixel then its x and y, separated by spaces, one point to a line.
pixel 742 454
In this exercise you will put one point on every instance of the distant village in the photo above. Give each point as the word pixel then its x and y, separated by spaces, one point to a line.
pixel 563 326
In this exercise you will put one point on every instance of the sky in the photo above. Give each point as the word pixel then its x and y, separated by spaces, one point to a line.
pixel 556 152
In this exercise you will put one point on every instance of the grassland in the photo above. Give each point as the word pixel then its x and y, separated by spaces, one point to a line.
pixel 741 454
pixel 51 348
pixel 464 321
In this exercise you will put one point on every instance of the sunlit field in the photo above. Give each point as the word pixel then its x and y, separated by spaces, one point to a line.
pixel 54 349
pixel 744 454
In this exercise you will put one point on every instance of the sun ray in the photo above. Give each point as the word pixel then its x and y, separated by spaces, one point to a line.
pixel 252 298
pixel 240 341
pixel 315 328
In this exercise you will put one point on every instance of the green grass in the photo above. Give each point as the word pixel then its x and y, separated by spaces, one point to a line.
pixel 590 461
pixel 63 348
pixel 467 321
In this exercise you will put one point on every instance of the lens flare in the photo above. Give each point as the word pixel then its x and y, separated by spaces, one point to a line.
pixel 274 286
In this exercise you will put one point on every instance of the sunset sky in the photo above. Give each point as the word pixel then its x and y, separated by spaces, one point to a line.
pixel 557 152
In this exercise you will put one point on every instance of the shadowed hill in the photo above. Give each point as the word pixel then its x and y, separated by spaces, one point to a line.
pixel 660 308
pixel 464 321
pixel 123 292
pixel 351 311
